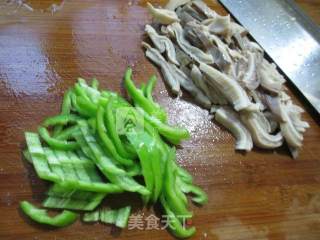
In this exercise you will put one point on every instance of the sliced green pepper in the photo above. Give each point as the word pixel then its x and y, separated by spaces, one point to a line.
pixel 38 157
pixel 174 135
pixel 108 144
pixel 27 155
pixel 139 98
pixel 200 196
pixel 91 92
pixel 65 109
pixel 95 84
pixel 91 216
pixel 108 168
pixel 41 216
pixel 55 143
pixel 175 225
pixel 61 120
pixel 143 88
pixel 140 141
pixel 77 108
pixel 176 204
pixel 119 217
pixel 123 217
pixel 87 106
pixel 150 160
pixel 67 133
pixel 111 129
pixel 60 197
pixel 149 87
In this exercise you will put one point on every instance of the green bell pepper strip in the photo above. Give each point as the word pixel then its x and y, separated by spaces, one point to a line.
pixel 85 149
pixel 68 198
pixel 123 217
pixel 116 175
pixel 200 196
pixel 149 87
pixel 91 92
pixel 111 129
pixel 67 133
pixel 95 84
pixel 176 204
pixel 183 174
pixel 41 216
pixel 71 180
pixel 140 141
pixel 77 108
pixel 139 98
pixel 148 94
pixel 90 169
pixel 83 101
pixel 82 81
pixel 119 217
pixel 38 157
pixel 174 135
pixel 69 176
pixel 104 163
pixel 91 216
pixel 117 104
pixel 65 109
pixel 109 94
pixel 134 170
pixel 178 191
pixel 180 194
pixel 156 168
pixel 66 103
pixel 108 144
pixel 92 122
pixel 129 148
pixel 143 87
pixel 43 170
pixel 67 203
pixel 176 228
pixel 55 143
pixel 78 89
pixel 92 186
pixel 27 155
pixel 150 159
pixel 108 216
pixel 83 170
pixel 67 166
pixel 54 163
pixel 61 120
pixel 58 190
pixel 162 147
pixel 87 106
pixel 79 166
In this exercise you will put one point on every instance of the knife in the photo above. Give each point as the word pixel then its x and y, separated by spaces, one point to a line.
pixel 288 36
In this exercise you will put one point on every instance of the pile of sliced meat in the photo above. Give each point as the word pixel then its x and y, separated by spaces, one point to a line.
pixel 213 58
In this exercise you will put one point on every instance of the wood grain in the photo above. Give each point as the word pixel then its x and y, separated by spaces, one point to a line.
pixel 259 195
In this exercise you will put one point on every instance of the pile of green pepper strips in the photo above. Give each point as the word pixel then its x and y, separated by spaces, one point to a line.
pixel 101 144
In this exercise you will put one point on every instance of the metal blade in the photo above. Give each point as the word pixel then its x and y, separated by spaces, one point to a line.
pixel 290 38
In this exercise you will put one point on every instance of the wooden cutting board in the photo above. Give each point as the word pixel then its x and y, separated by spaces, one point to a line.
pixel 259 195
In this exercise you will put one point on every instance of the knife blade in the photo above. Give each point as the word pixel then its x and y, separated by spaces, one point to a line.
pixel 288 36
